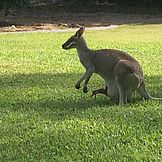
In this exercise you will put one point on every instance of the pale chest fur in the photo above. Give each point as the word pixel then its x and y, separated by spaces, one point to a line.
pixel 84 59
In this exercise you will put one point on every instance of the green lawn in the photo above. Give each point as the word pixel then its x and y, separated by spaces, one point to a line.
pixel 44 118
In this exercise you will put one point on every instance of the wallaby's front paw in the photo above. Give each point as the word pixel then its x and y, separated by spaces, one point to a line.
pixel 77 86
pixel 85 89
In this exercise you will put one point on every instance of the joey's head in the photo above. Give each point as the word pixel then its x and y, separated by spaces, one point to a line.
pixel 74 40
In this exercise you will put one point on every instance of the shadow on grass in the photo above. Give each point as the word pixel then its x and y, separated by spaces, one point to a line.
pixel 51 90
pixel 53 97
pixel 57 90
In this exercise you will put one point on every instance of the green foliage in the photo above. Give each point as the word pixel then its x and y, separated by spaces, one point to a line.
pixel 142 3
pixel 44 118
pixel 146 3
pixel 14 3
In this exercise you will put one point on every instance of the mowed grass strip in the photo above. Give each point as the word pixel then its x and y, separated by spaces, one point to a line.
pixel 44 118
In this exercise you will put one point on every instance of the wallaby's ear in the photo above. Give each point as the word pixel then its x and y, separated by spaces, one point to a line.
pixel 80 32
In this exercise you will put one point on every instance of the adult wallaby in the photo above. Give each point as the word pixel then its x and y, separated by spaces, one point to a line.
pixel 122 73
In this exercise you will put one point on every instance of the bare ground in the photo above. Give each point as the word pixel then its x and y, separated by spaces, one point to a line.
pixel 52 18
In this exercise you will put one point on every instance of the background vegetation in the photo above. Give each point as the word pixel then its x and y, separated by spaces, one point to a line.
pixel 144 3
pixel 44 118
pixel 83 5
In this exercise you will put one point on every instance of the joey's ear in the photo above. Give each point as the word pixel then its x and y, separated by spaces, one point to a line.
pixel 80 32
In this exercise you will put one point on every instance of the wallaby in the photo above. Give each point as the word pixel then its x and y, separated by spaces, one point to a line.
pixel 121 72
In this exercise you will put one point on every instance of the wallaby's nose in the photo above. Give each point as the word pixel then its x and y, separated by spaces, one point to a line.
pixel 63 46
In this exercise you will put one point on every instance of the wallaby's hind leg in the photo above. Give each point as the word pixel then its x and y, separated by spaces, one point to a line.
pixel 143 92
pixel 129 96
pixel 126 80
pixel 122 95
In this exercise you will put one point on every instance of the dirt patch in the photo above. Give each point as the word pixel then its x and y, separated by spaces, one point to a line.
pixel 50 18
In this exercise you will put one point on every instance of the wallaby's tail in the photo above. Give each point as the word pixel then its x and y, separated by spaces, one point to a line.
pixel 143 93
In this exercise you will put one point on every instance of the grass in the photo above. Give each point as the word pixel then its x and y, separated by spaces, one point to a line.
pixel 44 118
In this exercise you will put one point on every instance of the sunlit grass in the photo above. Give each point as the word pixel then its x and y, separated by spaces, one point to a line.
pixel 44 118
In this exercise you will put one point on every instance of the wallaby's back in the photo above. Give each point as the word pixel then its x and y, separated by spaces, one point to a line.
pixel 105 60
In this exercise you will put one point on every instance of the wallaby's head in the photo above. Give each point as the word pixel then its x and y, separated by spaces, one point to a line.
pixel 73 41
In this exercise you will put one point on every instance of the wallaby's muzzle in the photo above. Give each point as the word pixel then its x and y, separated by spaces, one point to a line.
pixel 63 46
pixel 67 45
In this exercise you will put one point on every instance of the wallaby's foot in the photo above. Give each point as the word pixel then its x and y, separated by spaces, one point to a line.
pixel 102 91
pixel 85 89
pixel 77 86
